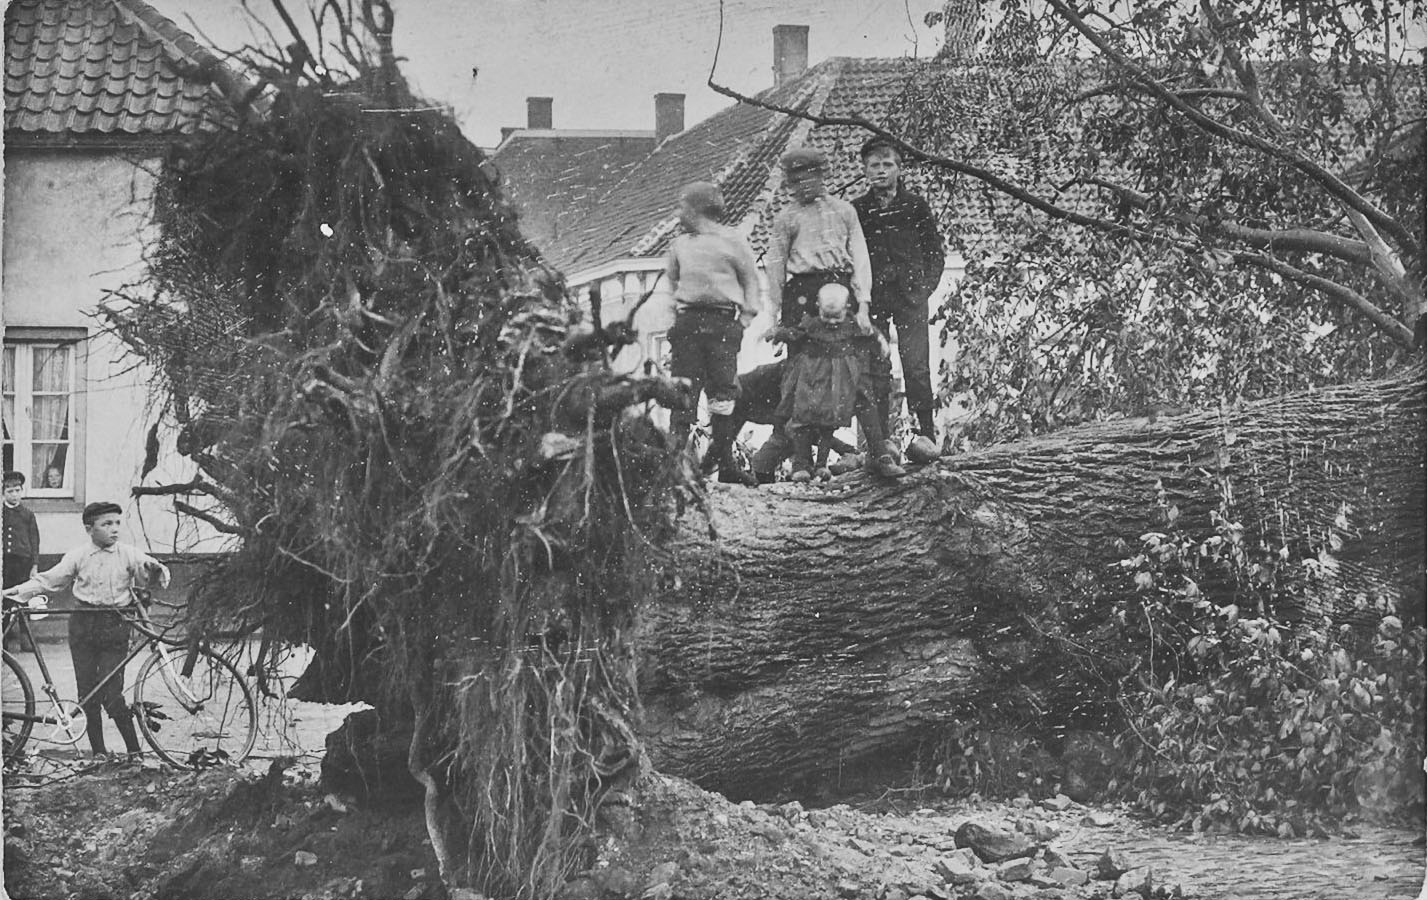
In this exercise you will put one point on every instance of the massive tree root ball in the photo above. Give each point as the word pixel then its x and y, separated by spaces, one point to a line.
pixel 373 373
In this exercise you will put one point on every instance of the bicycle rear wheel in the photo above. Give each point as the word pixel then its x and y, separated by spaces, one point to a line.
pixel 207 718
pixel 18 700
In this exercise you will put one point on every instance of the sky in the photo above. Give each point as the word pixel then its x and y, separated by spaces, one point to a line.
pixel 601 60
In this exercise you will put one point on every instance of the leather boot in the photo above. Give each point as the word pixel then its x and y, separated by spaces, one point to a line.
pixel 802 455
pixel 725 431
pixel 124 721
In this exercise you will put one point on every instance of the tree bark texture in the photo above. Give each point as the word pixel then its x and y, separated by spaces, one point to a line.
pixel 823 629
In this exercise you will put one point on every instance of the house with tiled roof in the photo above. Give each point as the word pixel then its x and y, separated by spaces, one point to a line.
pixel 553 177
pixel 94 90
pixel 620 242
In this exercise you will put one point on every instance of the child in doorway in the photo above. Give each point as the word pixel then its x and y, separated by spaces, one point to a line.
pixel 826 357
pixel 101 575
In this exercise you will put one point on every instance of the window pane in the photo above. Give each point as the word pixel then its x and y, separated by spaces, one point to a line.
pixel 51 419
pixel 8 417
pixel 51 369
pixel 47 465
pixel 9 376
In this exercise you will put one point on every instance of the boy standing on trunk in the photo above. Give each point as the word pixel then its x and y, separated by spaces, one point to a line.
pixel 715 284
pixel 907 261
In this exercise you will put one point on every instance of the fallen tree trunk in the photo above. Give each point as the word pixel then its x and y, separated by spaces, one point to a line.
pixel 830 628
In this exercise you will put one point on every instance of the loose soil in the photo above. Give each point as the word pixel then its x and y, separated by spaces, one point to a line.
pixel 135 829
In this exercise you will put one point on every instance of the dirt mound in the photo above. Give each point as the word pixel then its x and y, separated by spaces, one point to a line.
pixel 139 831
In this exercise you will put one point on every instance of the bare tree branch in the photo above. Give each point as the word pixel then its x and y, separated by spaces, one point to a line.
pixel 1388 267
pixel 196 486
pixel 1303 240
pixel 910 151
pixel 217 524
pixel 1330 182
pixel 1248 76
pixel 1342 293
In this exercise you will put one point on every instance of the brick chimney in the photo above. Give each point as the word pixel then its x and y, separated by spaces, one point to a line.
pixel 539 112
pixel 668 115
pixel 790 52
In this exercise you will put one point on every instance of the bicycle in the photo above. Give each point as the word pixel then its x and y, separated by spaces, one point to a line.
pixel 190 703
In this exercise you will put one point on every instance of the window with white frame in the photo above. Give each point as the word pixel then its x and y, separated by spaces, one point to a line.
pixel 39 414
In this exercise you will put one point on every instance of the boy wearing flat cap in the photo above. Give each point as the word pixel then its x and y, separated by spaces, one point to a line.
pixel 816 241
pixel 101 574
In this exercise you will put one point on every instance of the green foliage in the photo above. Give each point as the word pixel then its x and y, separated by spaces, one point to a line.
pixel 1240 719
pixel 1219 268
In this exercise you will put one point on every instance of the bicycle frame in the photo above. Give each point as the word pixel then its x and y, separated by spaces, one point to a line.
pixel 19 623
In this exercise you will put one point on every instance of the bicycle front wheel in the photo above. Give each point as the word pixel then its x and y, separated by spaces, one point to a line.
pixel 200 720
pixel 18 699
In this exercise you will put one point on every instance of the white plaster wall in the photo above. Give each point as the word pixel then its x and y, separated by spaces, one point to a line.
pixel 73 228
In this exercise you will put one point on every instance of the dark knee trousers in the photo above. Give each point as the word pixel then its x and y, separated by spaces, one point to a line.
pixel 703 347
pixel 914 349
pixel 99 641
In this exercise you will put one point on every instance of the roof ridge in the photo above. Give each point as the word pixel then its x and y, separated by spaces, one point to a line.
pixel 655 235
pixel 826 75
pixel 182 48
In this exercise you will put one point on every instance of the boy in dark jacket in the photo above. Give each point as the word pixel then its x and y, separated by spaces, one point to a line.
pixel 907 261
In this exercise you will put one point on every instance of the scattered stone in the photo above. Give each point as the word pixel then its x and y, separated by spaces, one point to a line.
pixel 1015 869
pixel 990 890
pixel 720 819
pixel 1067 876
pixel 1098 819
pixel 658 892
pixel 865 847
pixel 418 874
pixel 1136 881
pixel 1022 803
pixel 1042 832
pixel 1058 803
pixel 1055 859
pixel 849 888
pixel 891 892
pixel 416 893
pixel 818 819
pixel 251 864
pixel 466 894
pixel 993 844
pixel 1112 864
pixel 304 858
pixel 955 870
pixel 1040 880
pixel 772 834
pixel 791 811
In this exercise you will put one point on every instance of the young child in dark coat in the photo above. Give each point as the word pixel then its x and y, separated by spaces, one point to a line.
pixel 827 355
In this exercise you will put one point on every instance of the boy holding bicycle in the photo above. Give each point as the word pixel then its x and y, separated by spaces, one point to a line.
pixel 101 575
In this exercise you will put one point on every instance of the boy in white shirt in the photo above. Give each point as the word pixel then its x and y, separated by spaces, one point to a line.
pixel 102 575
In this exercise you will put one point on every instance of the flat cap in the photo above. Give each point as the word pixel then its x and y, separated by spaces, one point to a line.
pixel 800 159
